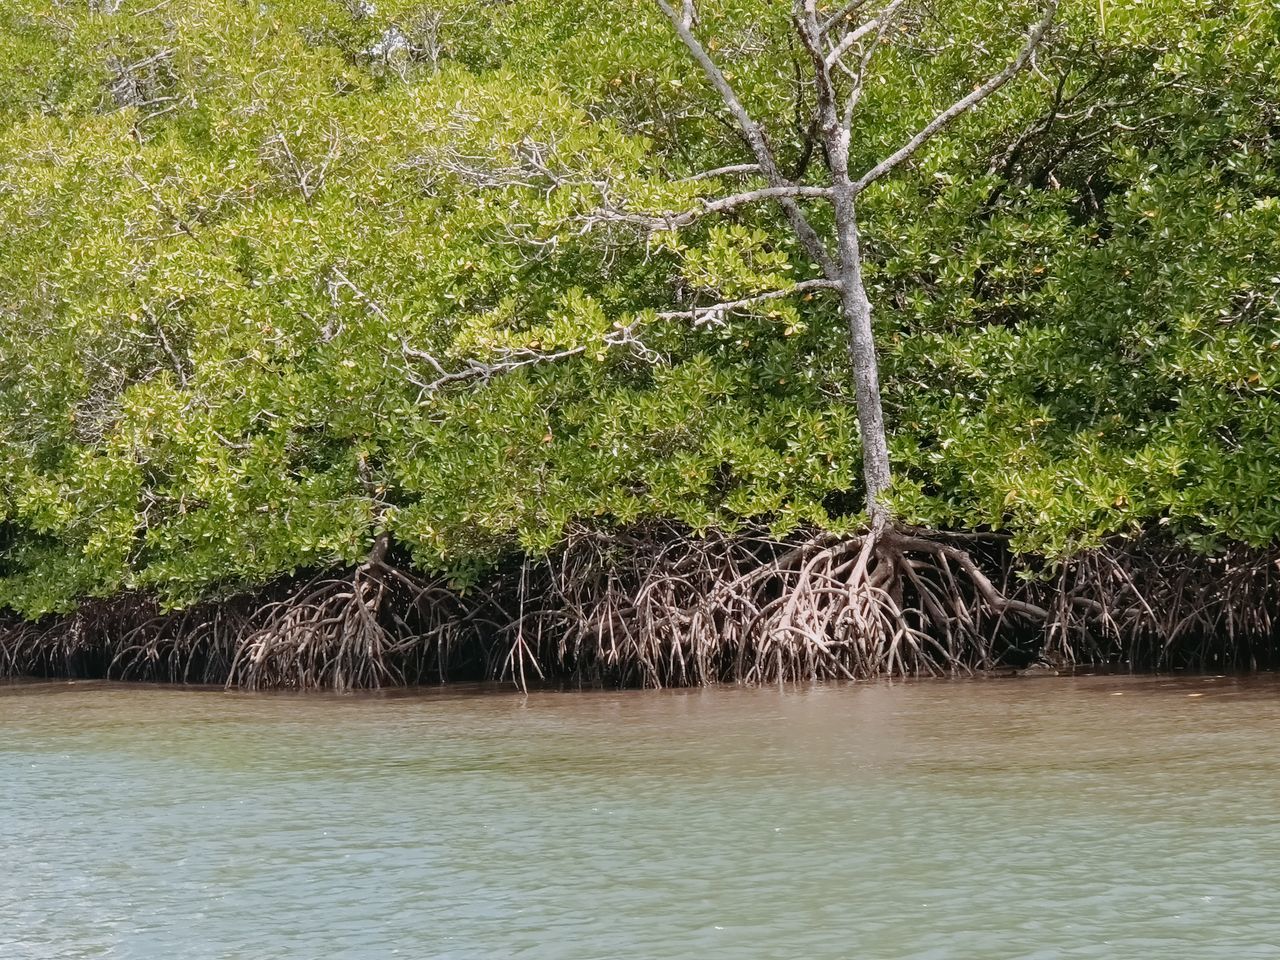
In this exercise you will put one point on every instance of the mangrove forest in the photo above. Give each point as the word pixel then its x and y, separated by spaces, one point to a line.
pixel 355 343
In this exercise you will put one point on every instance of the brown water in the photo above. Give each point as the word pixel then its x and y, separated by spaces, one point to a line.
pixel 1046 818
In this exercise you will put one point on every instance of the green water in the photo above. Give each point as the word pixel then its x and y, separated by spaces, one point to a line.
pixel 1030 818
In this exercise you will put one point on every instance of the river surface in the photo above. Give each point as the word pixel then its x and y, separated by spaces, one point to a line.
pixel 1045 818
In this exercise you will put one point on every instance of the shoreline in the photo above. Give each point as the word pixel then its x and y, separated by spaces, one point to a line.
pixel 663 608
pixel 482 689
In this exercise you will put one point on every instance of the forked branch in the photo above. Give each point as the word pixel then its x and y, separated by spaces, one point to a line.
pixel 755 138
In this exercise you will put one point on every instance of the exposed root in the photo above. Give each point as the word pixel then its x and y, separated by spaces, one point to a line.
pixel 81 644
pixel 377 626
pixel 660 607
pixel 1160 606
pixel 674 610
pixel 196 645
pixel 382 626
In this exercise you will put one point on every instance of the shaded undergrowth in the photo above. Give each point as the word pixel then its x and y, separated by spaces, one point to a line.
pixel 661 607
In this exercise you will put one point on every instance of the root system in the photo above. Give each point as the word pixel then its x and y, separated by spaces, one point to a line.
pixel 661 607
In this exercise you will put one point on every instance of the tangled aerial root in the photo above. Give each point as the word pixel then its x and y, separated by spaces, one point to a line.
pixel 1159 606
pixel 671 610
pixel 658 606
pixel 379 627
pixel 376 626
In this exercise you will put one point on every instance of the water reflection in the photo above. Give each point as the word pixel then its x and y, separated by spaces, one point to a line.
pixel 1054 818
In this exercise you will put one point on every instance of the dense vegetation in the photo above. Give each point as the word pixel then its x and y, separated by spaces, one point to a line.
pixel 286 283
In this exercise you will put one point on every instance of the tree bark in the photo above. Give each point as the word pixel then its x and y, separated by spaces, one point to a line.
pixel 854 302
pixel 863 362
pixel 864 366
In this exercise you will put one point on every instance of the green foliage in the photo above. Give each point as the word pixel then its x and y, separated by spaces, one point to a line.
pixel 231 233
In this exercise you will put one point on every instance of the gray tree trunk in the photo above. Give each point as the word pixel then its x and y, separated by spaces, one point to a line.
pixel 864 365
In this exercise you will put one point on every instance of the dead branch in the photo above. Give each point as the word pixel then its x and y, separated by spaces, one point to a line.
pixel 755 139
pixel 966 103
pixel 675 220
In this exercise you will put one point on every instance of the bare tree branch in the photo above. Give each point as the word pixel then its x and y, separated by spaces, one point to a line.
pixel 478 370
pixel 854 302
pixel 309 178
pixel 848 40
pixel 828 41
pixel 623 335
pixel 731 170
pixel 716 312
pixel 848 10
pixel 964 104
pixel 672 220
pixel 158 199
pixel 342 280
pixel 756 140
pixel 535 165
pixel 887 18
pixel 178 368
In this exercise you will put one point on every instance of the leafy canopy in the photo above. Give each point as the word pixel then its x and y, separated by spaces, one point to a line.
pixel 232 234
